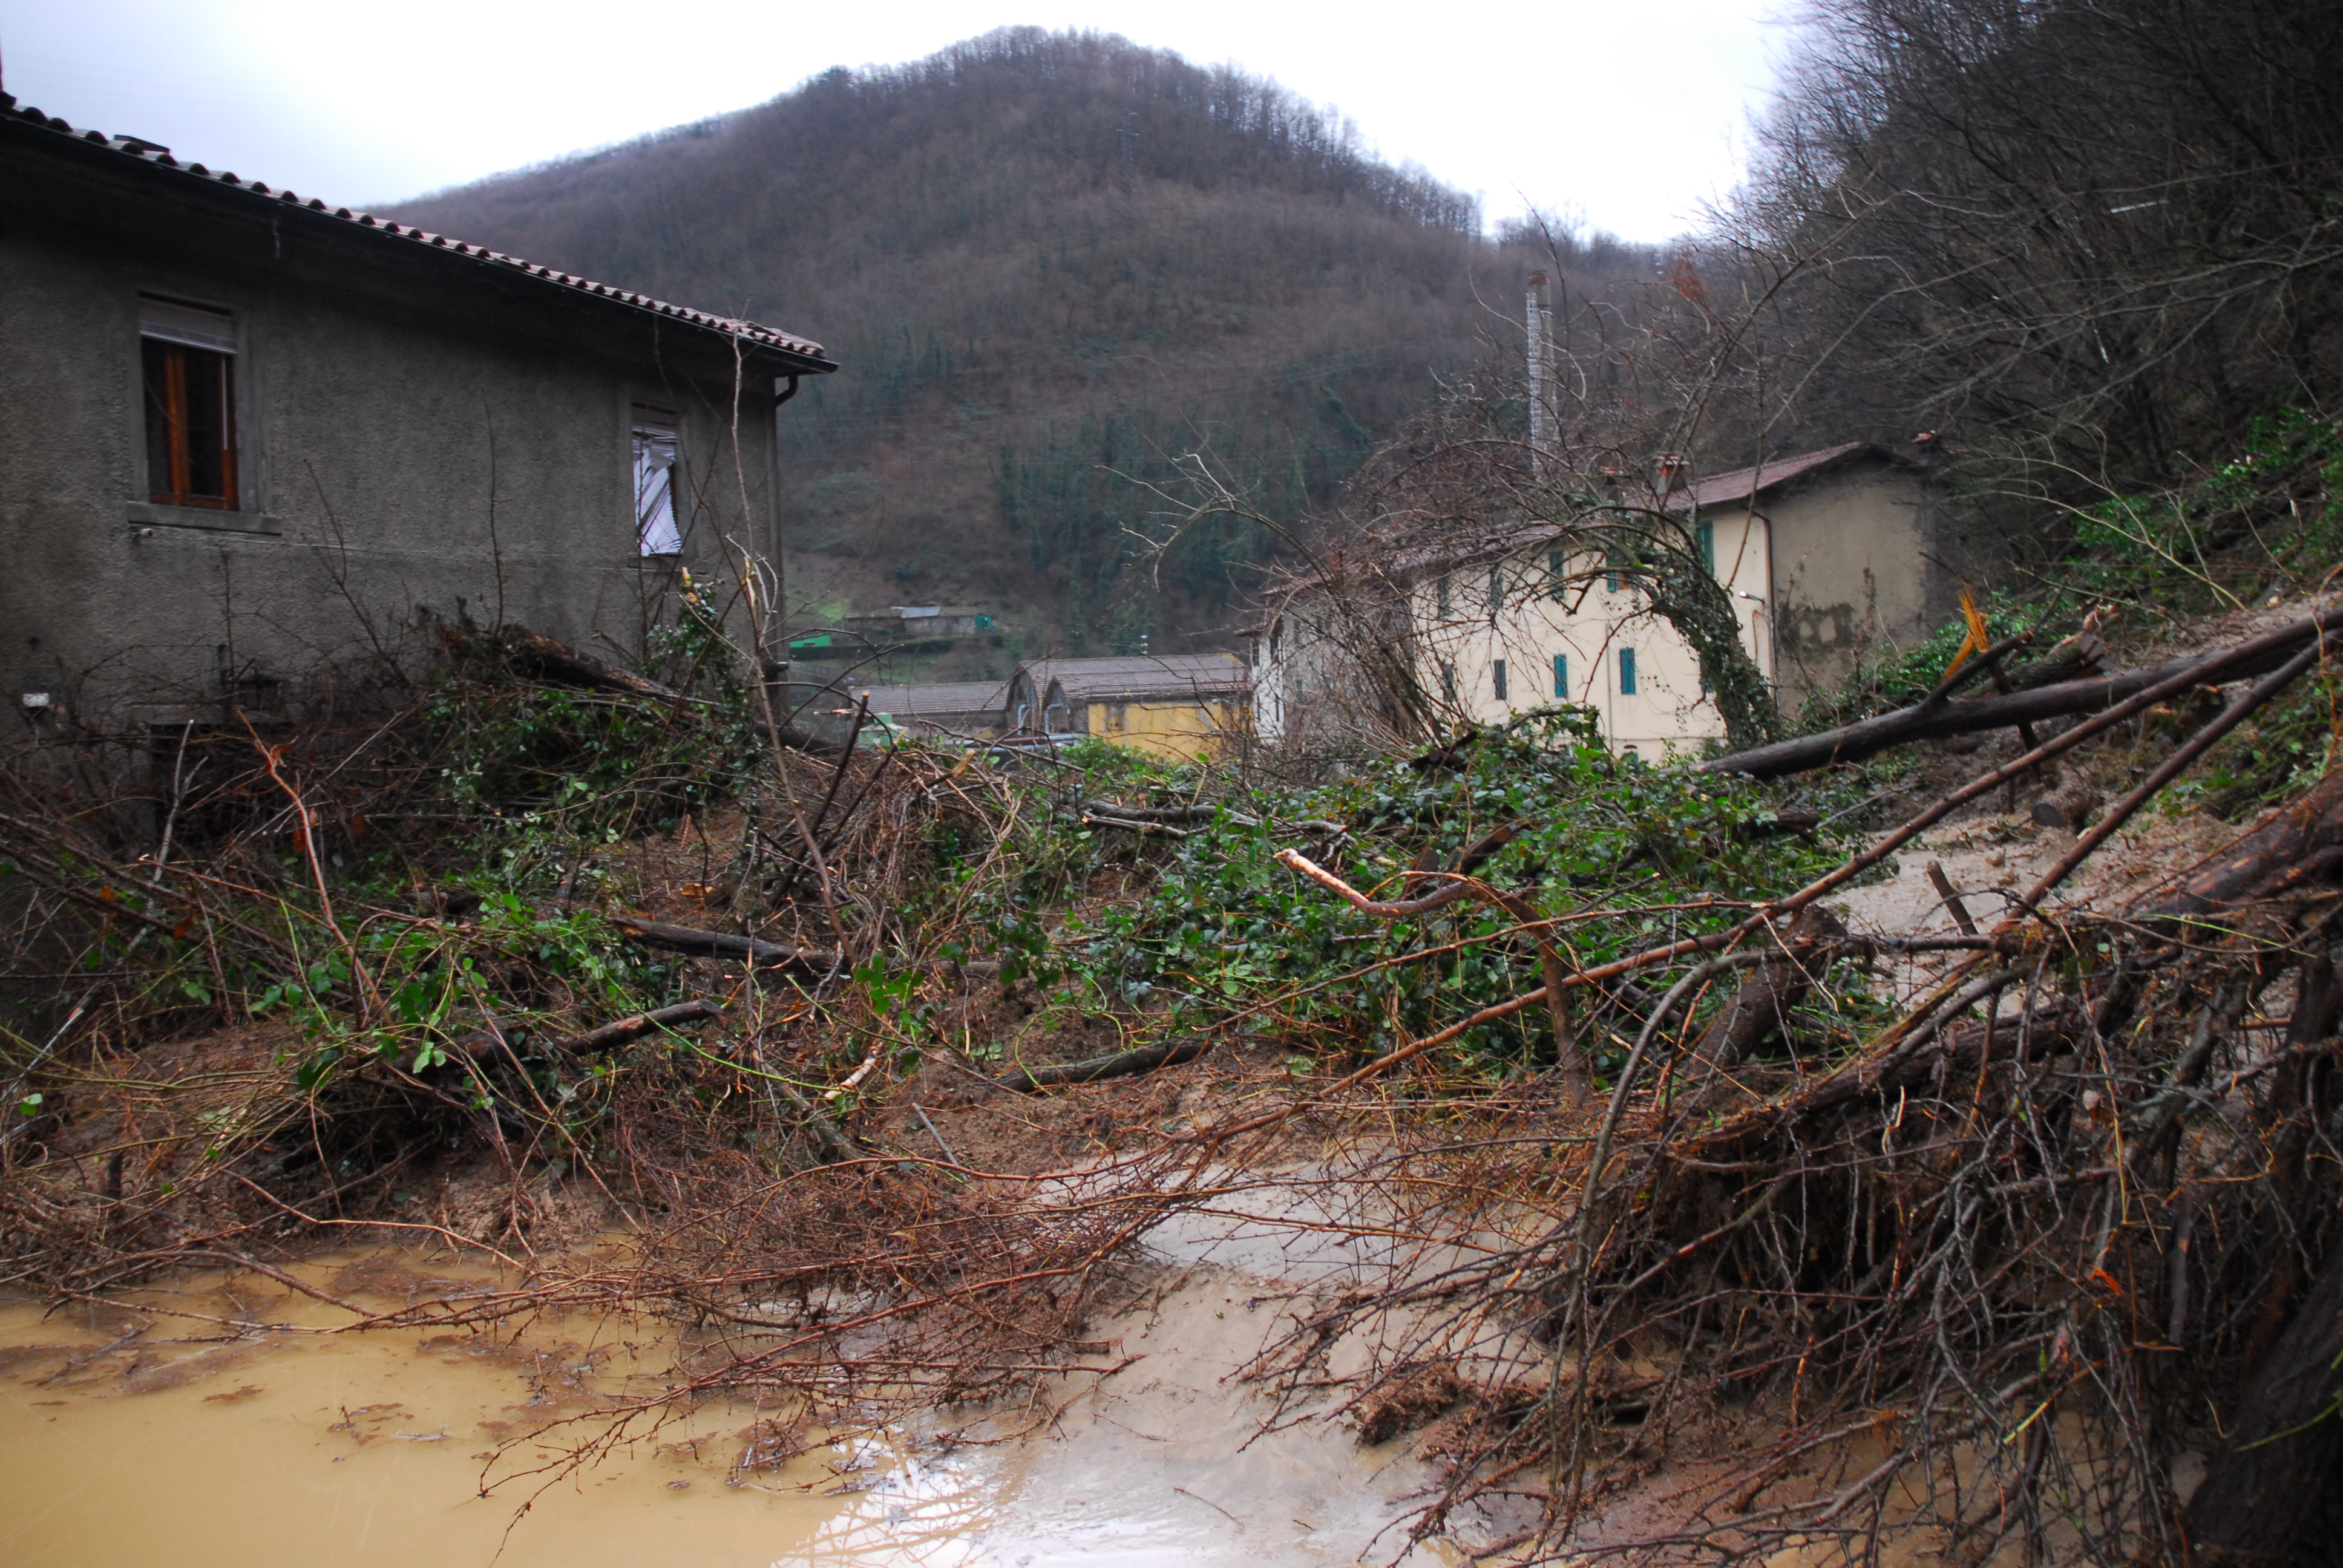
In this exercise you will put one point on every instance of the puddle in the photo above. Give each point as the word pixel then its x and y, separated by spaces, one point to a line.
pixel 129 1438
pixel 185 1443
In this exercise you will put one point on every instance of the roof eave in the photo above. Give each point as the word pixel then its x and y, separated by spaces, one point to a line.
pixel 784 354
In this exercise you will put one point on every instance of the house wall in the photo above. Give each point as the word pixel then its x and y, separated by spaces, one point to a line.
pixel 1852 573
pixel 1592 626
pixel 416 446
pixel 1855 561
pixel 1179 732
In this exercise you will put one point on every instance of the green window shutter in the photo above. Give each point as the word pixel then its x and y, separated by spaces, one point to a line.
pixel 1704 536
pixel 1497 678
pixel 1626 672
pixel 1557 565
pixel 1561 676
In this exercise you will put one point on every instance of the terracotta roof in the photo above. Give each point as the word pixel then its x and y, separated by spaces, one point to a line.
pixel 1141 676
pixel 1742 484
pixel 749 332
pixel 1737 485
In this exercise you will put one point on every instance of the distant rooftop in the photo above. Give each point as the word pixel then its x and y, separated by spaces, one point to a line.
pixel 1141 676
pixel 936 698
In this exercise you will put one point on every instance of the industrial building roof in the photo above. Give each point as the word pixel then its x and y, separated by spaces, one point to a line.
pixel 1141 676
pixel 936 698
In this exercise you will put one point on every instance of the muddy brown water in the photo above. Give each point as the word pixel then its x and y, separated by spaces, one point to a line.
pixel 131 1437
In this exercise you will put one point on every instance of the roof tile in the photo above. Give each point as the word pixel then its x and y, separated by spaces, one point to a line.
pixel 730 327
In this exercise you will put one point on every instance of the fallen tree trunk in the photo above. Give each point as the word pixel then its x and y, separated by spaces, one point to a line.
pixel 2268 1484
pixel 621 1030
pixel 537 654
pixel 2296 848
pixel 1943 717
pixel 1762 1006
pixel 722 944
pixel 1121 1064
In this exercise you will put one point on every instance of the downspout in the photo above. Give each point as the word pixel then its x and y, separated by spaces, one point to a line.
pixel 776 661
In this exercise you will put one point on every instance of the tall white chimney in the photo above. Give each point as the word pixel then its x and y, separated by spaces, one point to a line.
pixel 1533 316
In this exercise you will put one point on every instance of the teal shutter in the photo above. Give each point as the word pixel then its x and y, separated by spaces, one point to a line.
pixel 1561 676
pixel 1626 672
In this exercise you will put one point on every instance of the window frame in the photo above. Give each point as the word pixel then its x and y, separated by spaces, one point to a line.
pixel 216 334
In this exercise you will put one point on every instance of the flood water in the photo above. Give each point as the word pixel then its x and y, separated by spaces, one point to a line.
pixel 128 1437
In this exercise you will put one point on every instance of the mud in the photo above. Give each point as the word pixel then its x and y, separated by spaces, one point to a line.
pixel 243 1431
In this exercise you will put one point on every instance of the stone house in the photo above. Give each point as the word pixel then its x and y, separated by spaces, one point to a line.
pixel 1827 557
pixel 246 434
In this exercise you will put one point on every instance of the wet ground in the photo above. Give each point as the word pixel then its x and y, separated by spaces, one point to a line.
pixel 129 1436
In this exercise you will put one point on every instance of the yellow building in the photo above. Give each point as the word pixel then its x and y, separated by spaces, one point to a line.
pixel 1177 706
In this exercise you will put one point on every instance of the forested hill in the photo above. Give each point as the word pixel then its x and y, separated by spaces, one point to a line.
pixel 1045 261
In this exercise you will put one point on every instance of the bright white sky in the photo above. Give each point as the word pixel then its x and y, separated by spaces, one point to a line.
pixel 1625 115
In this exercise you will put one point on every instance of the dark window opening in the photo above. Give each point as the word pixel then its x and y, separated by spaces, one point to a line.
pixel 190 425
pixel 1497 678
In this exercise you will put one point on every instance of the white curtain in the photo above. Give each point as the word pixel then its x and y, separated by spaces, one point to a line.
pixel 655 526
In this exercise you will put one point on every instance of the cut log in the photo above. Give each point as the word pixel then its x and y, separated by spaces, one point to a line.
pixel 2080 655
pixel 2067 803
pixel 722 944
pixel 1121 1064
pixel 1936 721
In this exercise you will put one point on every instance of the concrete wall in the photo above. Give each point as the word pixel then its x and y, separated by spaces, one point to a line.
pixel 1852 573
pixel 418 443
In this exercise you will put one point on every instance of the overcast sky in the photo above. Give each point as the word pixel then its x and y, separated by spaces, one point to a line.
pixel 1625 115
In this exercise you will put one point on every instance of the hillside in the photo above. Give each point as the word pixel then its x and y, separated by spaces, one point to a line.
pixel 1049 264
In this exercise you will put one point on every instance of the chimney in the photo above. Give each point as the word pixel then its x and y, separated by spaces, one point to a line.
pixel 1534 317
